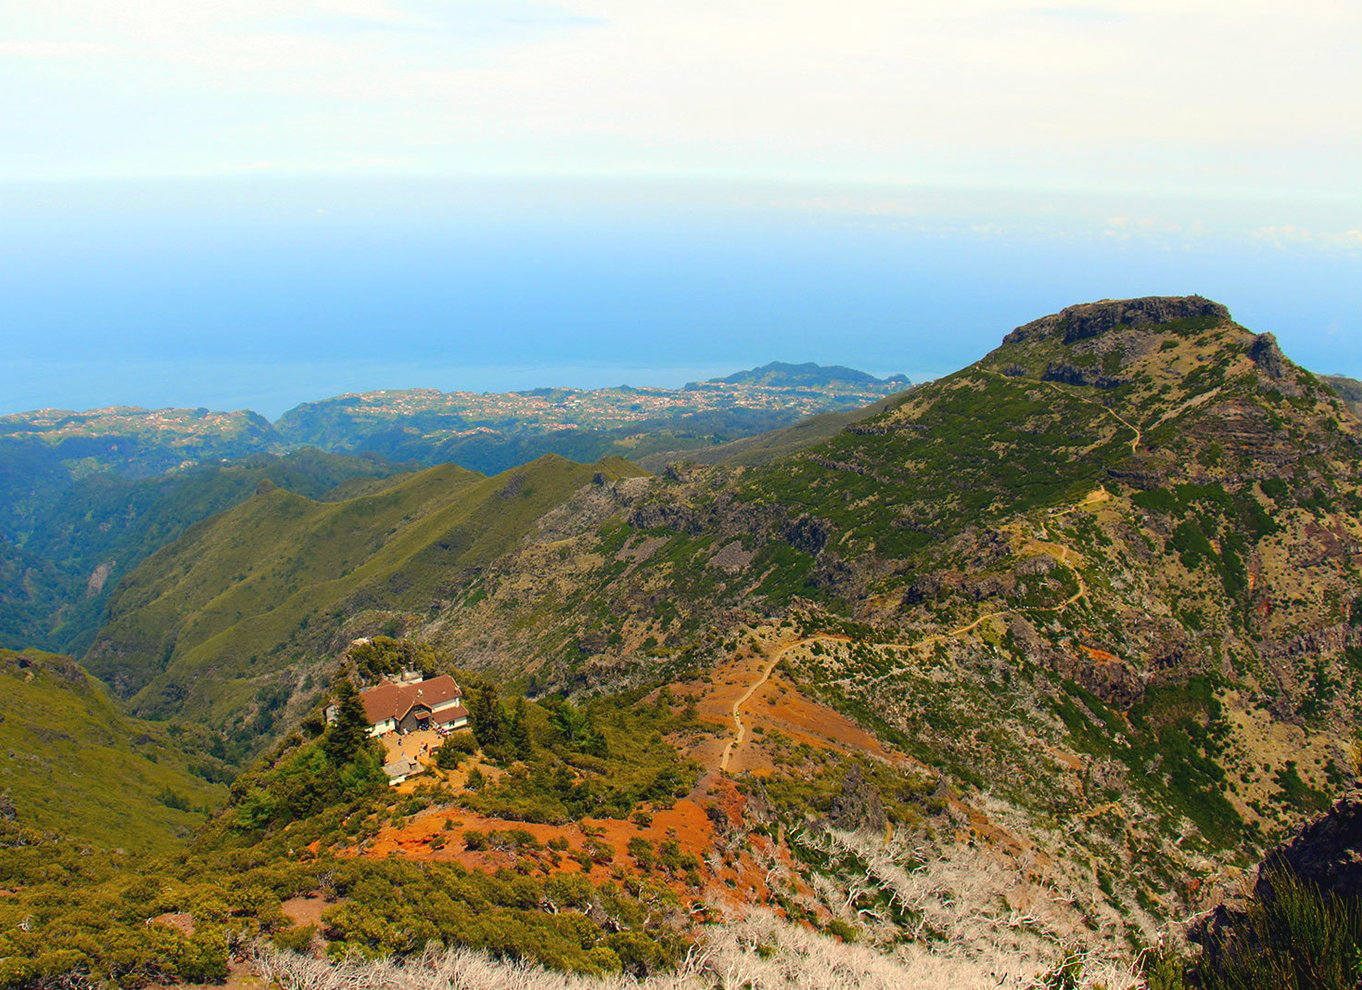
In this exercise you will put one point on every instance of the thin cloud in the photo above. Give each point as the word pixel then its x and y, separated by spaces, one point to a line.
pixel 54 49
pixel 1153 95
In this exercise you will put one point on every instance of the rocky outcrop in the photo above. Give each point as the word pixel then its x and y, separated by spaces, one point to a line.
pixel 1109 679
pixel 859 806
pixel 806 534
pixel 1069 374
pixel 1075 323
pixel 1324 853
pixel 1325 641
pixel 1268 356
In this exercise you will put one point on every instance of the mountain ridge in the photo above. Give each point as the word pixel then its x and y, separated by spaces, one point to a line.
pixel 238 601
pixel 1031 657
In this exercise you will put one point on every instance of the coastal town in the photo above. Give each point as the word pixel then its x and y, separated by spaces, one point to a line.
pixel 441 415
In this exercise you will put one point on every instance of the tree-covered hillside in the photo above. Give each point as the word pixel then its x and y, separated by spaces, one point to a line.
pixel 79 767
pixel 62 556
pixel 233 620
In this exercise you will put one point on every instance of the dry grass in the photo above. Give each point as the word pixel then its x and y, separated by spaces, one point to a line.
pixel 759 952
pixel 969 906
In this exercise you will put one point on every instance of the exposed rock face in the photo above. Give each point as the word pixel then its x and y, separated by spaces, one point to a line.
pixel 1070 375
pixel 806 533
pixel 858 806
pixel 1325 852
pixel 1075 323
pixel 1110 680
pixel 1268 356
pixel 97 579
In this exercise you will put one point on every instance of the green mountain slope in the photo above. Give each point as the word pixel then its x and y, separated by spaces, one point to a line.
pixel 1141 499
pixel 1106 575
pixel 763 448
pixel 1102 585
pixel 227 622
pixel 79 767
pixel 59 563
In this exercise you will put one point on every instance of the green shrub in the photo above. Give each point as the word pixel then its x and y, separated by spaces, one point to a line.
pixel 295 939
pixel 460 742
pixel 448 758
pixel 842 930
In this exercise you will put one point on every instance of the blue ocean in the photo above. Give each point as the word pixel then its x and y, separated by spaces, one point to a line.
pixel 266 293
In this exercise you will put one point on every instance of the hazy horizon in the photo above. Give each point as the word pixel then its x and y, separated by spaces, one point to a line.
pixel 265 293
pixel 272 391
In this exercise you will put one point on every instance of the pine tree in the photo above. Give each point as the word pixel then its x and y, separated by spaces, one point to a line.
pixel 578 730
pixel 485 715
pixel 518 731
pixel 349 733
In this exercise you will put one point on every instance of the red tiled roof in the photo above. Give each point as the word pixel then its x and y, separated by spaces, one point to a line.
pixel 449 714
pixel 389 700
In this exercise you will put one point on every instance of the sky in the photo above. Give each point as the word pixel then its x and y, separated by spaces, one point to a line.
pixel 258 202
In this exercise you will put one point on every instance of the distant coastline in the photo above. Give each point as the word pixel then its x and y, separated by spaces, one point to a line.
pixel 272 389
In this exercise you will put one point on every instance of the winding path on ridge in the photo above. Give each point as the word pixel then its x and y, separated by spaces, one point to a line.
pixel 739 729
pixel 1135 440
pixel 1066 557
pixel 1064 554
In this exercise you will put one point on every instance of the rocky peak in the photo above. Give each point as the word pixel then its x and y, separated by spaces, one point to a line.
pixel 1074 323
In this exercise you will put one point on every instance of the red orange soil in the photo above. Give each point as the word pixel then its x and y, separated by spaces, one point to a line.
pixel 738 879
pixel 1100 656
pixel 776 705
pixel 437 835
pixel 752 687
pixel 303 911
